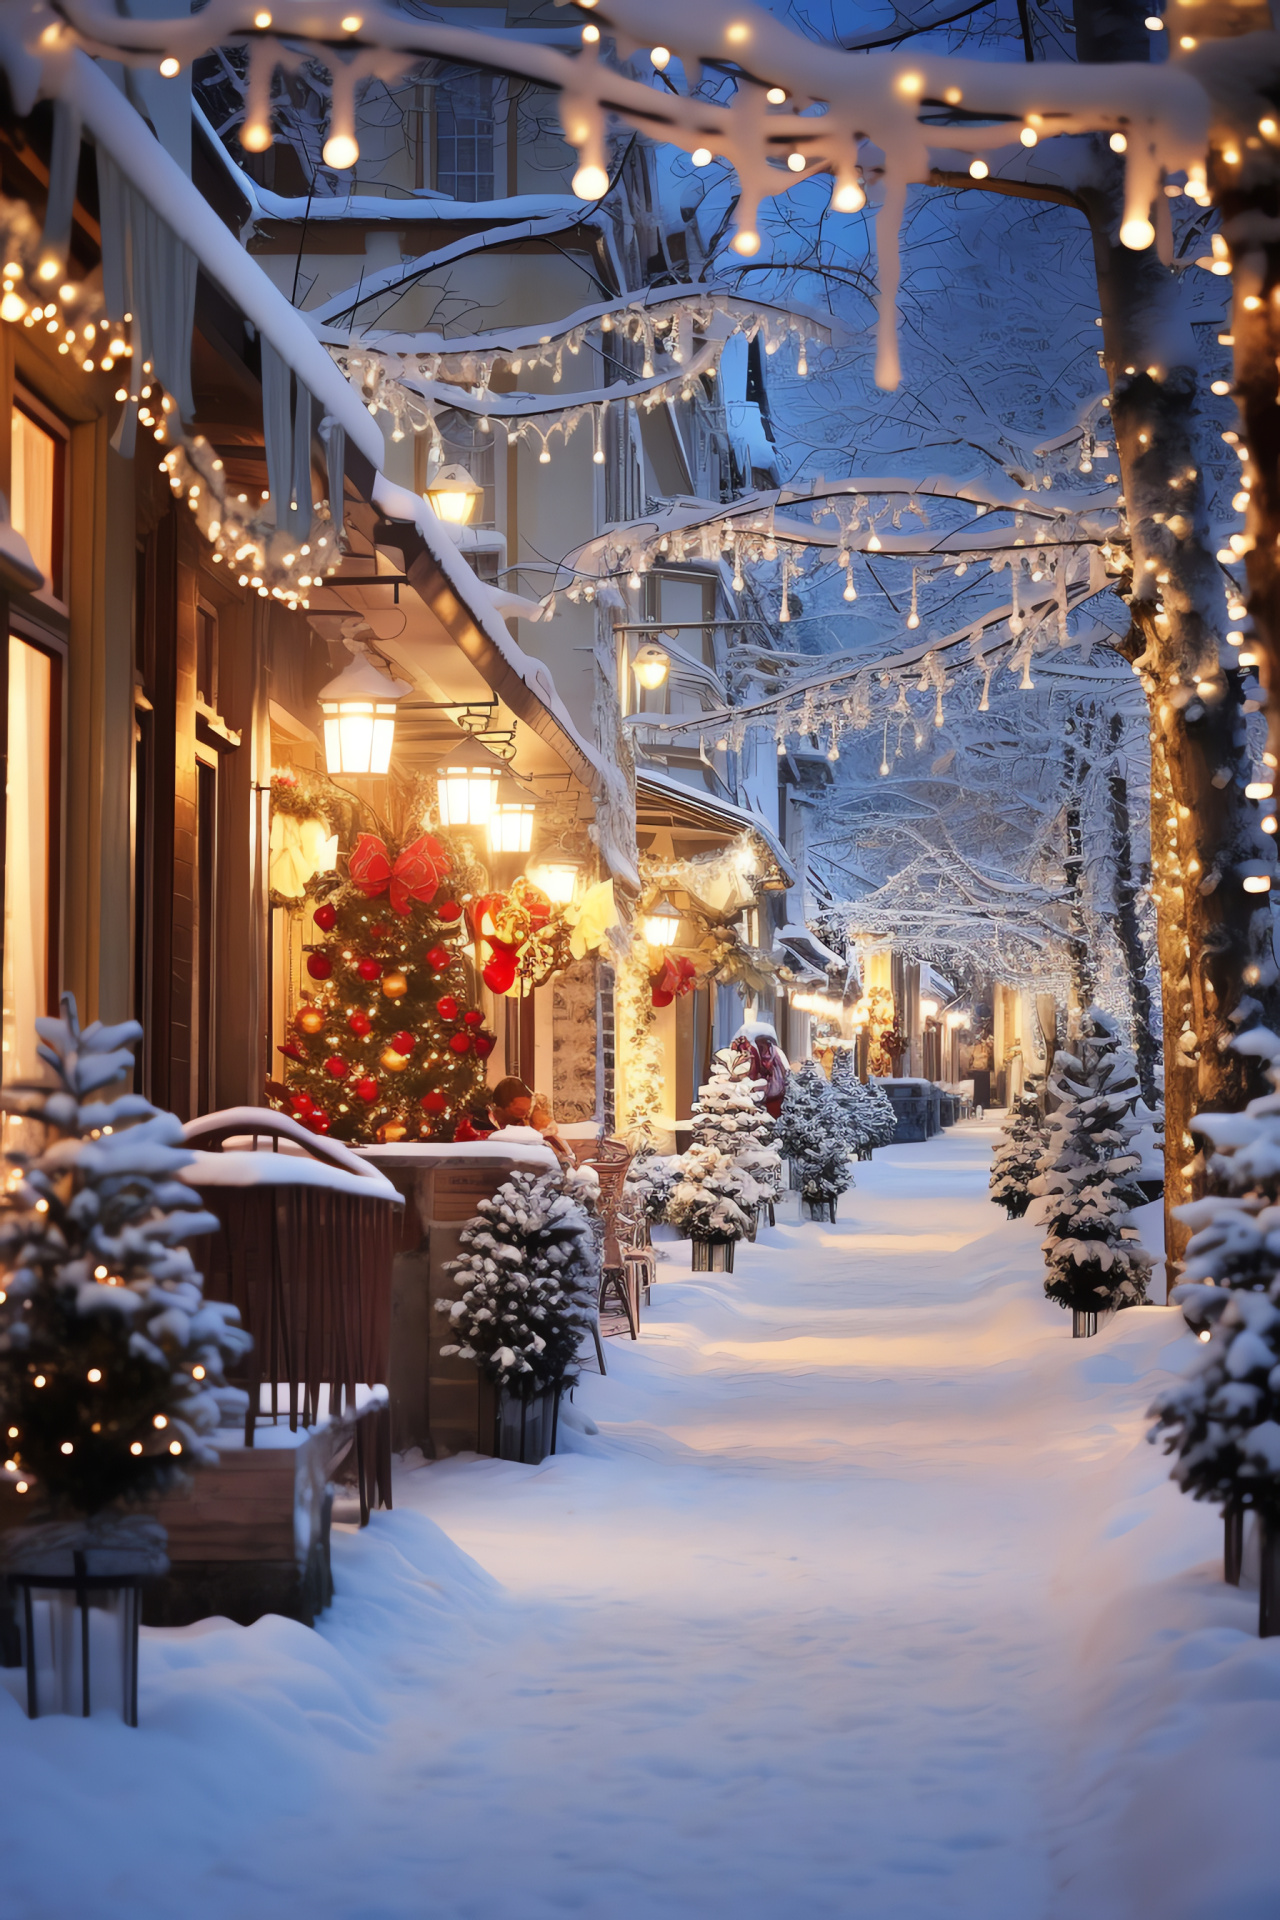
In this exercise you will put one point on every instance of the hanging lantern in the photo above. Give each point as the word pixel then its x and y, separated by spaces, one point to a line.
pixel 452 495
pixel 511 824
pixel 558 880
pixel 662 925
pixel 359 709
pixel 651 666
pixel 467 787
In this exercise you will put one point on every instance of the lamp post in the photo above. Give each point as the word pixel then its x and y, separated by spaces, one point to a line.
pixel 359 709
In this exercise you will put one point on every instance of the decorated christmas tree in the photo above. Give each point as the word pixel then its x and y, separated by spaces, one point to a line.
pixel 1017 1157
pixel 388 1045
pixel 812 1134
pixel 1086 1182
pixel 110 1357
pixel 527 1285
pixel 730 1115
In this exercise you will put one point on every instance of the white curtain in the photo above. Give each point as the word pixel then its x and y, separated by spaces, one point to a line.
pixel 31 490
pixel 26 874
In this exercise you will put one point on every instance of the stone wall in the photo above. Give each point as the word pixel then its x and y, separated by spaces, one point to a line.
pixel 574 1044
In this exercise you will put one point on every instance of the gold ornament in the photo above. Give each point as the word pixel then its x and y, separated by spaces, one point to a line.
pixel 394 1062
pixel 311 1020
pixel 394 985
pixel 390 1132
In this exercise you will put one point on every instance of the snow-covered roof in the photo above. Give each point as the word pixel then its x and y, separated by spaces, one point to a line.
pixel 735 819
pixel 122 132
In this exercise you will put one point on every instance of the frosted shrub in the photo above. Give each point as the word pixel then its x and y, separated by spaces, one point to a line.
pixel 730 1115
pixel 713 1199
pixel 813 1134
pixel 1017 1157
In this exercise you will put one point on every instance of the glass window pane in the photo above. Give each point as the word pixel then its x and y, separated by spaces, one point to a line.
pixel 34 470
pixel 464 134
pixel 27 865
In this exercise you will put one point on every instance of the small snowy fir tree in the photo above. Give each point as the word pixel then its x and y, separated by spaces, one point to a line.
pixel 855 1102
pixel 110 1356
pixel 527 1285
pixel 881 1116
pixel 1018 1156
pixel 730 1115
pixel 1086 1183
pixel 651 1178
pixel 1222 1422
pixel 714 1198
pixel 812 1135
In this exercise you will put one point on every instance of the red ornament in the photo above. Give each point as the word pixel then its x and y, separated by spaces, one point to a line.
pixel 292 1051
pixel 317 1121
pixel 370 969
pixel 466 1130
pixel 447 1007
pixel 319 966
pixel 326 918
pixel 434 1103
pixel 367 1090
pixel 379 932
pixel 460 1042
pixel 449 910
pixel 439 958
pixel 473 1017
pixel 485 1044
pixel 404 1041
pixel 336 1067
pixel 500 973
pixel 302 1103
pixel 360 1023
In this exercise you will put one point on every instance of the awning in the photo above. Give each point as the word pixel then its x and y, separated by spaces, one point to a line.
pixel 664 802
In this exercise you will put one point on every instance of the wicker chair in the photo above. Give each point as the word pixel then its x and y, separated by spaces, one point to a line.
pixel 610 1162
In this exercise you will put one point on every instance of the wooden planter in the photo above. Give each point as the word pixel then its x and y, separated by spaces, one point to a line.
pixel 818 1209
pixel 1084 1324
pixel 525 1429
pixel 711 1256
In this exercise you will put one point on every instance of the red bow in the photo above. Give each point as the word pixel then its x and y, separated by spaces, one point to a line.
pixel 675 977
pixel 417 873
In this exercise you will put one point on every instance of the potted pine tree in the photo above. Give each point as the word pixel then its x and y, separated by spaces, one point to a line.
pixel 812 1133
pixel 730 1115
pixel 714 1203
pixel 1016 1163
pixel 111 1359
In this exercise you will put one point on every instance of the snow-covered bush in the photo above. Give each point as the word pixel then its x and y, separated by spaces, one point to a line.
pixel 651 1177
pixel 1222 1422
pixel 881 1117
pixel 527 1285
pixel 111 1359
pixel 1086 1186
pixel 713 1199
pixel 1016 1163
pixel 730 1115
pixel 813 1134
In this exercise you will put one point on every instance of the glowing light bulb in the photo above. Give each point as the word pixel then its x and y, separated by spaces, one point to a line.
pixel 795 163
pixel 170 67
pixel 341 150
pixel 701 156
pixel 1029 136
pixel 1137 234
pixel 776 96
pixel 978 169
pixel 1118 143
pixel 747 241
pixel 591 182
pixel 660 58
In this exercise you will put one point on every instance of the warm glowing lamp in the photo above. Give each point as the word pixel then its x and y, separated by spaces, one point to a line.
pixel 452 495
pixel 467 787
pixel 929 1008
pixel 511 826
pixel 651 666
pixel 558 880
pixel 359 709
pixel 662 925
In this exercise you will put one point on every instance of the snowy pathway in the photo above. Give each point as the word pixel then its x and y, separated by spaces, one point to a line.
pixel 834 1617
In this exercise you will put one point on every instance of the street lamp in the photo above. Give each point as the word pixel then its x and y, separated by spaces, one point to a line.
pixel 359 709
pixel 558 880
pixel 511 826
pixel 466 787
pixel 662 925
pixel 452 495
pixel 651 666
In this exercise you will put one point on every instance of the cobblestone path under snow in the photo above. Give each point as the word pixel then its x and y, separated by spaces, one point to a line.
pixel 811 1626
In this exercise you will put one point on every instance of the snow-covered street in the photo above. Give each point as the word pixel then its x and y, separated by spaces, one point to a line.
pixel 867 1599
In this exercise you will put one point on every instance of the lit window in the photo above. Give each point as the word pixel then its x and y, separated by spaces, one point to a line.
pixel 464 134
pixel 35 495
pixel 28 870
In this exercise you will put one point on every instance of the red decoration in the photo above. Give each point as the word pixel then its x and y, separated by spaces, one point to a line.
pixel 302 1103
pixel 485 1044
pixel 439 958
pixel 319 966
pixel 317 1121
pixel 473 1017
pixel 360 1023
pixel 326 917
pixel 460 1042
pixel 675 977
pixel 369 969
pixel 404 1041
pixel 500 973
pixel 336 1067
pixel 367 1090
pixel 435 1102
pixel 465 1130
pixel 292 1051
pixel 417 872
pixel 449 910
pixel 447 1007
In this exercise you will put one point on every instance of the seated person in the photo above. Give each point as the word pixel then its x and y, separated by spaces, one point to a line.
pixel 542 1120
pixel 510 1106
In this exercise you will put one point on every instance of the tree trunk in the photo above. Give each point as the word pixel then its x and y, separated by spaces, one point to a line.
pixel 1080 954
pixel 1127 928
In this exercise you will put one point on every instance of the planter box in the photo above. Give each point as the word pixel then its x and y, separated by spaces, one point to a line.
pixel 525 1430
pixel 711 1256
pixel 819 1209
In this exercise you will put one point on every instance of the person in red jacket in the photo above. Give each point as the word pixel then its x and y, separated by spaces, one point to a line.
pixel 758 1039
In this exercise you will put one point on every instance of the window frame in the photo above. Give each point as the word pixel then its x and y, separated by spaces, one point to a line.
pixel 23 400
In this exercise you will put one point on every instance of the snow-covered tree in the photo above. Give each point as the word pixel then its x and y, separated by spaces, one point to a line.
pixel 526 1284
pixel 111 1359
pixel 714 1198
pixel 729 1114
pixel 650 1180
pixel 1095 1258
pixel 813 1135
pixel 1016 1163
